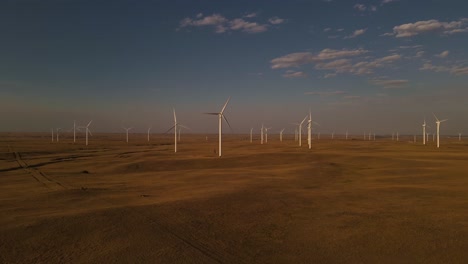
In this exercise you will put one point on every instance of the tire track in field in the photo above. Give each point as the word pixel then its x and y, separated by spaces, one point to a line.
pixel 38 175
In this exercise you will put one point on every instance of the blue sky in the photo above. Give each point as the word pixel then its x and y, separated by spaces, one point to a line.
pixel 379 66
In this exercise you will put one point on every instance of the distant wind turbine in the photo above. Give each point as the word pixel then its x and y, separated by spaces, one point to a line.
pixel 424 131
pixel 281 135
pixel 52 134
pixel 175 127
pixel 251 134
pixel 87 131
pixel 300 131
pixel 126 130
pixel 149 134
pixel 221 117
pixel 58 129
pixel 438 127
pixel 346 134
pixel 459 136
pixel 261 134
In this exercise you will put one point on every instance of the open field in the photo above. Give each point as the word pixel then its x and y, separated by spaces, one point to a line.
pixel 341 202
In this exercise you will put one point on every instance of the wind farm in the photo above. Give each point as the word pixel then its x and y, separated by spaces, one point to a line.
pixel 233 132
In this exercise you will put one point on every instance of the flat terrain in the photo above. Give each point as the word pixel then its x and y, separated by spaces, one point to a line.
pixel 343 201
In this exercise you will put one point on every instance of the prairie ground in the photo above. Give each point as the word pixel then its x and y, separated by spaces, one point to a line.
pixel 342 201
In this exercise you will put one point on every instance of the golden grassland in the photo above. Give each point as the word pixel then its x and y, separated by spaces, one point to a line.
pixel 343 201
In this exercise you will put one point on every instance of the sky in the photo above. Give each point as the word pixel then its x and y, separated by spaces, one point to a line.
pixel 379 66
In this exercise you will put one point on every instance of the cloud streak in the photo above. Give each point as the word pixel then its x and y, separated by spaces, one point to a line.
pixel 221 24
pixel 429 26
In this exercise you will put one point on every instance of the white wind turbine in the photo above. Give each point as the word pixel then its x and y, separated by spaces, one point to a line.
pixel 175 127
pixel 87 131
pixel 346 134
pixel 74 131
pixel 149 133
pixel 299 132
pixel 251 134
pixel 281 135
pixel 333 134
pixel 261 134
pixel 424 131
pixel 438 127
pixel 52 134
pixel 459 136
pixel 126 130
pixel 58 129
pixel 221 117
pixel 309 130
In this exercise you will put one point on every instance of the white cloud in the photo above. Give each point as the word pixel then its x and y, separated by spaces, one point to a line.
pixel 373 8
pixel 222 24
pixel 419 54
pixel 326 29
pixel 360 7
pixel 387 2
pixel 357 33
pixel 387 84
pixel 455 70
pixel 249 27
pixel 250 15
pixel 294 74
pixel 444 54
pixel 427 26
pixel 329 75
pixel 301 58
pixel 276 20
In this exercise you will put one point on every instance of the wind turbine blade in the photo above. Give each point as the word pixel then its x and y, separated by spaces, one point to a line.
pixel 443 120
pixel 222 110
pixel 175 118
pixel 225 119
pixel 170 129
pixel 184 126
pixel 303 120
pixel 89 123
pixel 89 131
pixel 211 113
pixel 435 117
pixel 317 124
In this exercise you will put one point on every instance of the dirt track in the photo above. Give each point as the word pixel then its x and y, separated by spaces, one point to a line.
pixel 342 201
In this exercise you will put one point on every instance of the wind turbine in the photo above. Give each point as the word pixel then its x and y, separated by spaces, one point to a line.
pixel 126 130
pixel 346 134
pixel 333 134
pixel 281 135
pixel 424 131
pixel 309 130
pixel 176 125
pixel 52 134
pixel 300 131
pixel 149 133
pixel 221 117
pixel 397 136
pixel 88 131
pixel 74 131
pixel 459 136
pixel 261 136
pixel 58 129
pixel 438 127
pixel 251 134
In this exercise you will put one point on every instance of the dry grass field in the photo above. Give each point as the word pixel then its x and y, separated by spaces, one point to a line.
pixel 342 201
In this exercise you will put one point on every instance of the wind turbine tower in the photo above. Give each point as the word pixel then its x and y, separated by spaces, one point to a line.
pixel 126 130
pixel 221 117
pixel 281 135
pixel 438 128
pixel 88 131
